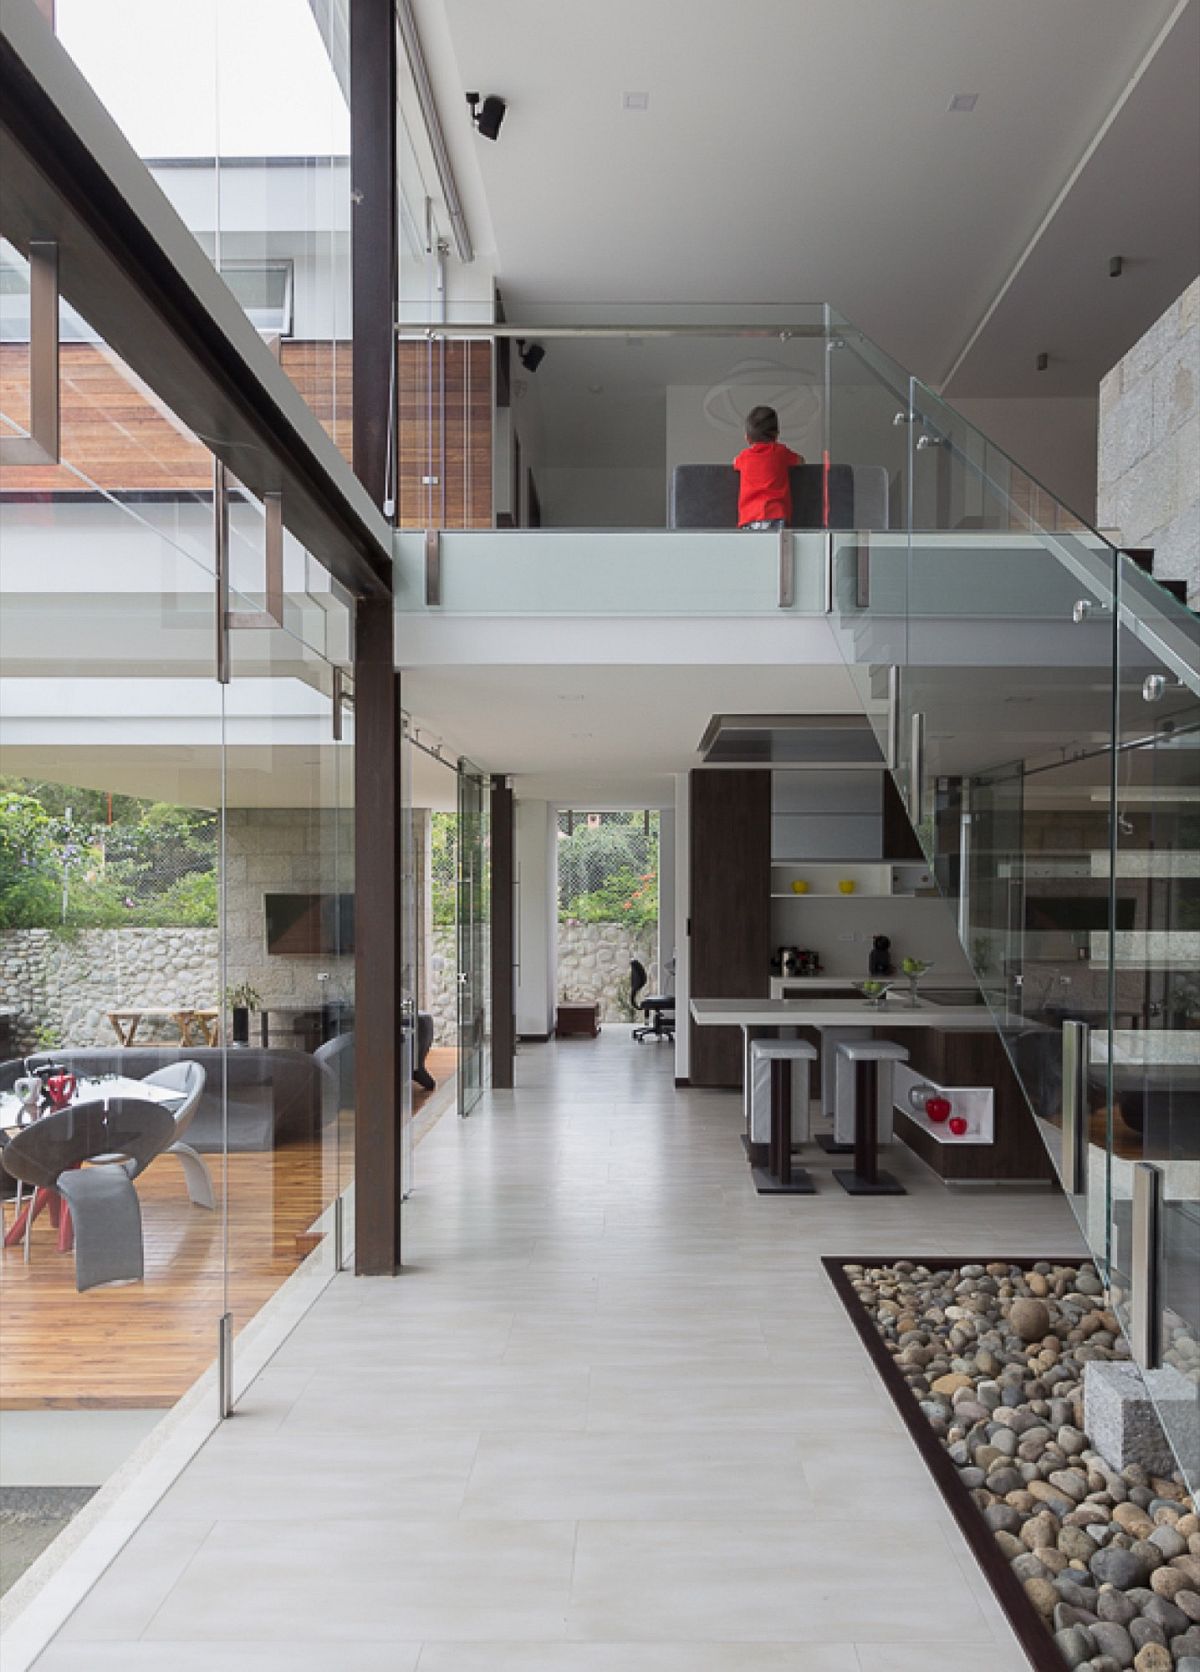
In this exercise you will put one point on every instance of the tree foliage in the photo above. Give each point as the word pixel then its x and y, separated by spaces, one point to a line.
pixel 65 862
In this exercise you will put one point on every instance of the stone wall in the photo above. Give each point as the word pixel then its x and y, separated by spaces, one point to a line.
pixel 443 984
pixel 1149 452
pixel 65 982
pixel 593 964
pixel 284 850
pixel 593 967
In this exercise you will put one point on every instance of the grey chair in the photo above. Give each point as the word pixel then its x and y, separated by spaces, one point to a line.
pixel 188 1079
pixel 105 1211
pixel 336 1057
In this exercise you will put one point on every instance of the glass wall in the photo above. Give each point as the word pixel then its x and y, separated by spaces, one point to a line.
pixel 242 115
pixel 1038 697
pixel 176 907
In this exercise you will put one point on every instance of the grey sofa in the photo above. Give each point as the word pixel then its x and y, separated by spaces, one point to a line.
pixel 706 496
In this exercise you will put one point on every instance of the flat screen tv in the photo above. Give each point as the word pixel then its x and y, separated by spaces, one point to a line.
pixel 309 925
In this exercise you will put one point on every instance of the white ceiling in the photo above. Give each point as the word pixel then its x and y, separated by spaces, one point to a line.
pixel 807 154
pixel 607 736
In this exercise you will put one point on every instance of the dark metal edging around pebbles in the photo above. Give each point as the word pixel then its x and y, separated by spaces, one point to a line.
pixel 1022 1616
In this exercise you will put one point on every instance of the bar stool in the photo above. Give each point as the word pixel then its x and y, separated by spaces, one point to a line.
pixel 872 1061
pixel 779 1112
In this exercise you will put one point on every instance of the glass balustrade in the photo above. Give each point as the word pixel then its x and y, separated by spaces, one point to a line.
pixel 1037 696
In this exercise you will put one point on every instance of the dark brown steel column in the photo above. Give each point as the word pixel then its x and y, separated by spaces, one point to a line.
pixel 374 239
pixel 378 1054
pixel 504 1020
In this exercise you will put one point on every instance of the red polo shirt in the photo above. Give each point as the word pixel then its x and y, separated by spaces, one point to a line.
pixel 766 489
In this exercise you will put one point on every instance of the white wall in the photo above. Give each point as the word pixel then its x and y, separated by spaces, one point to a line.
pixel 604 496
pixel 1053 439
pixel 1149 463
pixel 841 931
pixel 666 896
pixel 701 430
pixel 537 916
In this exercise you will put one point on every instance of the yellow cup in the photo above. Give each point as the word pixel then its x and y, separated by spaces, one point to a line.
pixel 846 886
pixel 799 886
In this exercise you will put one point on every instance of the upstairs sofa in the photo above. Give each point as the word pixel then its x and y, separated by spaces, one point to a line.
pixel 706 496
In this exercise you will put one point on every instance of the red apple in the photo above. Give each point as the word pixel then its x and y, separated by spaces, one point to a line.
pixel 958 1126
pixel 937 1108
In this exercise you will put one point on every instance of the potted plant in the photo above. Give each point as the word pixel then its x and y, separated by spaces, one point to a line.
pixel 240 1001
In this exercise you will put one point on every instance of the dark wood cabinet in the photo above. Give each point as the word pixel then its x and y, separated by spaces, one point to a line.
pixel 976 1059
pixel 730 915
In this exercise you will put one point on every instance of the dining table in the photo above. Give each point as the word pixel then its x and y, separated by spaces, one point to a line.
pixel 189 1019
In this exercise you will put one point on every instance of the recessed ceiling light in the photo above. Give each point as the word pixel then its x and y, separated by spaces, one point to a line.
pixel 635 101
pixel 963 101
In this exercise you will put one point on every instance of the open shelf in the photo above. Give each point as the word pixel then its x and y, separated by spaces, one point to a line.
pixel 873 879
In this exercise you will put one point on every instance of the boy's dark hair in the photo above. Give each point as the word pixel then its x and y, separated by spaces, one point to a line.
pixel 762 424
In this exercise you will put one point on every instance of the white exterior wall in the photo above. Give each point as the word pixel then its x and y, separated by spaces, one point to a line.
pixel 537 917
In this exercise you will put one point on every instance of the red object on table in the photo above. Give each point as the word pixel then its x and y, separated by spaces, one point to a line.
pixel 958 1126
pixel 60 1089
pixel 937 1108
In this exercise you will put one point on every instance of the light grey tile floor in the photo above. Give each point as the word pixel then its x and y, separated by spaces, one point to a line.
pixel 612 1419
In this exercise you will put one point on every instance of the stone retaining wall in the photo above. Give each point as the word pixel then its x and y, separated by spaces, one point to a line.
pixel 593 967
pixel 593 964
pixel 64 982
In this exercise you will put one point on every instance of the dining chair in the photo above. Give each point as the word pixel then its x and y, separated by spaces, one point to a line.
pixel 95 1207
pixel 188 1079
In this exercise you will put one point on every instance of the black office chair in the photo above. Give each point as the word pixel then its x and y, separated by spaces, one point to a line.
pixel 660 1009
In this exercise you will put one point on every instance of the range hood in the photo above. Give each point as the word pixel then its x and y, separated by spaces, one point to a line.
pixel 795 742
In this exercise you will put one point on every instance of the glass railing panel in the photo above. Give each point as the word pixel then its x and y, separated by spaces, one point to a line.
pixel 694 572
pixel 1006 710
pixel 1154 1042
pixel 627 425
pixel 868 426
pixel 962 480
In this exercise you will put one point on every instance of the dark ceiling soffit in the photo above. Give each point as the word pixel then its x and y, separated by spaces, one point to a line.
pixel 780 740
pixel 128 289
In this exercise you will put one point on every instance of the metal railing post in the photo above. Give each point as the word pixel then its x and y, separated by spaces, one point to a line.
pixel 1145 1265
pixel 43 443
pixel 225 1365
pixel 787 570
pixel 1076 1037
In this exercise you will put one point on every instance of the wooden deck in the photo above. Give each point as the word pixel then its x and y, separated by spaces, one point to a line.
pixel 142 1345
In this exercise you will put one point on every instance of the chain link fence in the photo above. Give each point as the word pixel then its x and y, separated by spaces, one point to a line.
pixel 607 906
pixel 75 858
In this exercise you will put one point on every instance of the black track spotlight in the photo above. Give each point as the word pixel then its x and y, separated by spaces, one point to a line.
pixel 487 113
pixel 530 355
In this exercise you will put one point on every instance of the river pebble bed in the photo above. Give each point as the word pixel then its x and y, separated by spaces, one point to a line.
pixel 995 1354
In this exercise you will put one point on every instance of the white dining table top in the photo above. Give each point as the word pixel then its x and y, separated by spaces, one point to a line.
pixel 839 1013
pixel 92 1091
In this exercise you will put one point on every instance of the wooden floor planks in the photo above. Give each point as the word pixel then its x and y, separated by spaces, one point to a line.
pixel 142 1345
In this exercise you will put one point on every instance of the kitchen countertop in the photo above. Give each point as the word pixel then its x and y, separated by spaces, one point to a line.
pixel 838 1013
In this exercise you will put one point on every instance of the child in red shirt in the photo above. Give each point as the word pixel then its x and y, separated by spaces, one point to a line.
pixel 765 494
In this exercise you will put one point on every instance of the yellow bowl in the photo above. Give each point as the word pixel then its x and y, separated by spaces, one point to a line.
pixel 799 886
pixel 846 886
